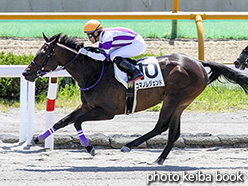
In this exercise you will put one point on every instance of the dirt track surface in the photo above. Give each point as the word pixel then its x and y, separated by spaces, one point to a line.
pixel 36 166
pixel 215 50
pixel 22 165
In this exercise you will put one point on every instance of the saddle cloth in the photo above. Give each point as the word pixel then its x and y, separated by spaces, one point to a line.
pixel 152 78
pixel 152 74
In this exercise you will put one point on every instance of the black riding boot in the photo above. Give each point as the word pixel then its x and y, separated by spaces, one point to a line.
pixel 131 70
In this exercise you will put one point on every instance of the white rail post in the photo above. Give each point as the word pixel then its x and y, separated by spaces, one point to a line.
pixel 23 109
pixel 51 97
pixel 31 105
pixel 27 104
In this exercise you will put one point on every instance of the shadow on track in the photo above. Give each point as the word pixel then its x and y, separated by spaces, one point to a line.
pixel 130 169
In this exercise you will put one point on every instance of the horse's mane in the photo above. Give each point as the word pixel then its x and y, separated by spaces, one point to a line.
pixel 71 42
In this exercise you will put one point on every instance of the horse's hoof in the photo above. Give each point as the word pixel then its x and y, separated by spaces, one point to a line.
pixel 91 150
pixel 36 140
pixel 125 149
pixel 159 161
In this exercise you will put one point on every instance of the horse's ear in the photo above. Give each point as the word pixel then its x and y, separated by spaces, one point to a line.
pixel 57 37
pixel 45 37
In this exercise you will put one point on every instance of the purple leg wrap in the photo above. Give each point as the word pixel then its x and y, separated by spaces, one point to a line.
pixel 46 134
pixel 82 138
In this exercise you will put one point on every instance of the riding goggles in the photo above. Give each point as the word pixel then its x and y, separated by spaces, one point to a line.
pixel 90 35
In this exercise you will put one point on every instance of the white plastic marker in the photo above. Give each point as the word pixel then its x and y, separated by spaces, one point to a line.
pixel 51 97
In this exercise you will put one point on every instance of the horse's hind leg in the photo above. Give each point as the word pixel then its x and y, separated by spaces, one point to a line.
pixel 174 133
pixel 176 81
pixel 174 127
pixel 161 126
pixel 181 91
pixel 166 120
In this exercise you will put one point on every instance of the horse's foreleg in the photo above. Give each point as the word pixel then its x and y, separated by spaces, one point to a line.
pixel 92 115
pixel 60 124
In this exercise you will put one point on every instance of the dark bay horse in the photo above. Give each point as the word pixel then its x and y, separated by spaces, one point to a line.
pixel 185 78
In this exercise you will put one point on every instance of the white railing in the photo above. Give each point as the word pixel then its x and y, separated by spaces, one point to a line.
pixel 27 101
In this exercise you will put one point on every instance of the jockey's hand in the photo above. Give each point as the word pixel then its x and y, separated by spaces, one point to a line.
pixel 83 51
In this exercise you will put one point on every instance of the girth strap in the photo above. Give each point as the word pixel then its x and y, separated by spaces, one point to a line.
pixel 130 98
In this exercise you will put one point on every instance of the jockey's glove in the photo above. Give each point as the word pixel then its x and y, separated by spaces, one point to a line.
pixel 83 51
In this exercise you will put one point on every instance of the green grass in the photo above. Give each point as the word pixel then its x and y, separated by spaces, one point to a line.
pixel 217 97
pixel 220 98
pixel 7 105
pixel 214 29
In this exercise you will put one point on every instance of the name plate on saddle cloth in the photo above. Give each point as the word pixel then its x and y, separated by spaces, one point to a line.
pixel 152 78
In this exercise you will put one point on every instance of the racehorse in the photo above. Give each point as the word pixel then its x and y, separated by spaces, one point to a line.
pixel 103 96
pixel 242 61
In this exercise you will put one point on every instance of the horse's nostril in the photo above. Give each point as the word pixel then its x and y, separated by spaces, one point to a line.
pixel 25 73
pixel 236 62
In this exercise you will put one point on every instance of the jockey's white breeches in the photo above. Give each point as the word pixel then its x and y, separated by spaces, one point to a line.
pixel 137 47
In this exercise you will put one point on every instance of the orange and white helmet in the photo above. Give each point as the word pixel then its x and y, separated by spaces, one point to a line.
pixel 92 25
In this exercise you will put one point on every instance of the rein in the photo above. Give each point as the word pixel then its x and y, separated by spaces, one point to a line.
pixel 41 70
pixel 88 88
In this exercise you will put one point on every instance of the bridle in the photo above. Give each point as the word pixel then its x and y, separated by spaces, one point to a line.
pixel 41 69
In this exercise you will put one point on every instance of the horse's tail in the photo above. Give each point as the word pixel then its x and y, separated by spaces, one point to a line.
pixel 220 70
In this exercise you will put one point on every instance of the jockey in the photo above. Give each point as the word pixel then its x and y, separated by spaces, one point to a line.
pixel 117 43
